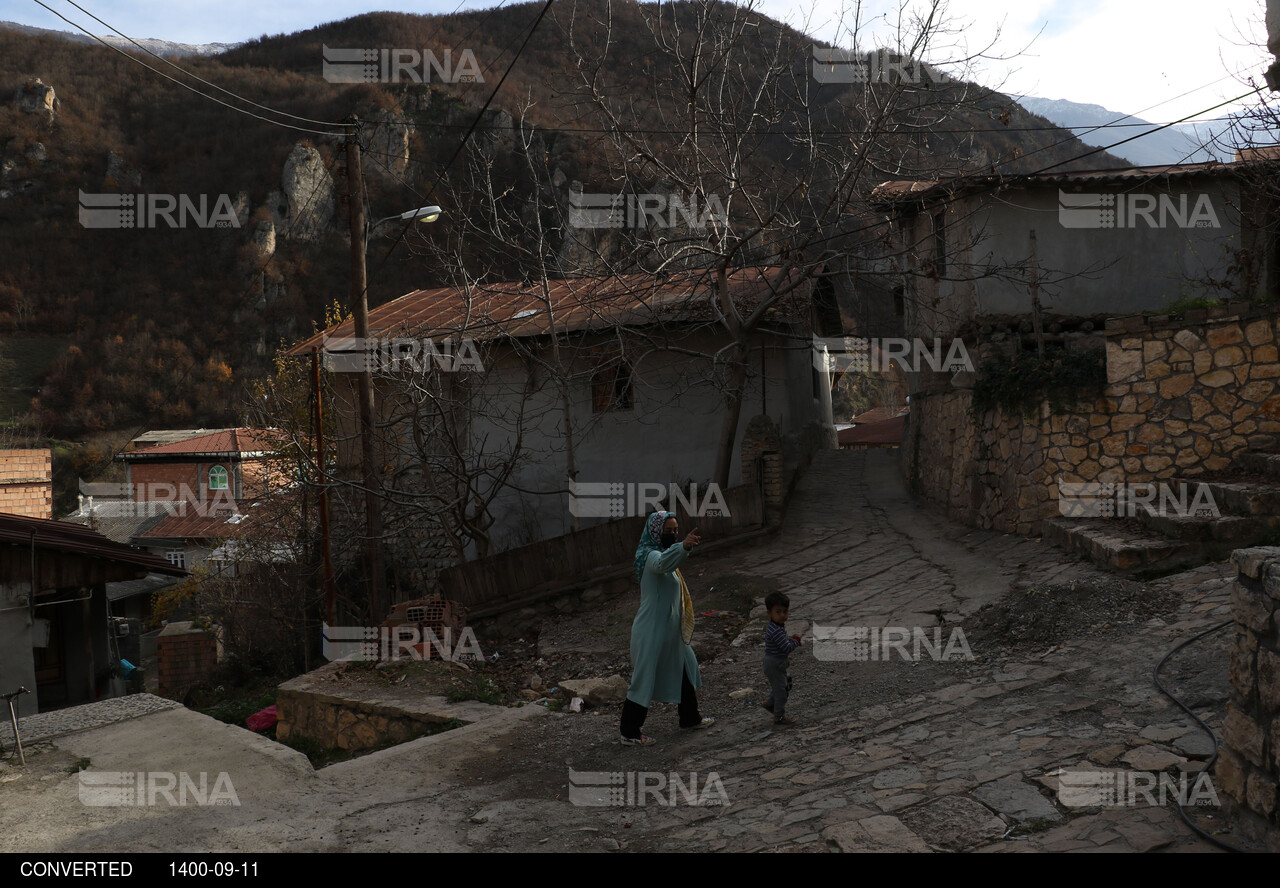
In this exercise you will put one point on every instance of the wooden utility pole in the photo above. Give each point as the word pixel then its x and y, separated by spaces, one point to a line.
pixel 364 384
pixel 330 587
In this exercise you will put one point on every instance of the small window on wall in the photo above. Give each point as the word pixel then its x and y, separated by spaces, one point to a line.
pixel 217 478
pixel 611 388
pixel 177 557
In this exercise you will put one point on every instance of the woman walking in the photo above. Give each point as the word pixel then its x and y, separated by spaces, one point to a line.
pixel 664 667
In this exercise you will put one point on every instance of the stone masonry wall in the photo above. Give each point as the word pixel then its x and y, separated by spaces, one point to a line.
pixel 1182 398
pixel 1248 769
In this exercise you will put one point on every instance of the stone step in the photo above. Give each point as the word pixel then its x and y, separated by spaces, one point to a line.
pixel 1119 547
pixel 1234 497
pixel 1223 533
pixel 1263 463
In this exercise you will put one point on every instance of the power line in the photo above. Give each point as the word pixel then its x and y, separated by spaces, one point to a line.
pixel 196 77
pixel 470 130
pixel 186 86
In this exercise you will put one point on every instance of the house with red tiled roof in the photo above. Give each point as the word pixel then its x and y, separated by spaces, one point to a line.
pixel 617 380
pixel 183 495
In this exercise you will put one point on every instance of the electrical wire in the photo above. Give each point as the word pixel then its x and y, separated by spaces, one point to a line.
pixel 197 77
pixel 185 86
pixel 470 130
pixel 1155 676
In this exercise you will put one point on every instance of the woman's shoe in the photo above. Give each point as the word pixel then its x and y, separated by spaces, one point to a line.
pixel 767 705
pixel 785 720
pixel 642 740
pixel 705 723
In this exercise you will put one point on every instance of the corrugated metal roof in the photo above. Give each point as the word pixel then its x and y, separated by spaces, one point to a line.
pixel 900 190
pixel 168 436
pixel 122 521
pixel 519 309
pixel 225 442
pixel 195 523
pixel 59 536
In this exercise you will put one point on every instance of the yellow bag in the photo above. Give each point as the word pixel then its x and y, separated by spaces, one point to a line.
pixel 686 611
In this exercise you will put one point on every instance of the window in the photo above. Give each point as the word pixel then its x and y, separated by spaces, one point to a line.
pixel 217 478
pixel 177 557
pixel 611 388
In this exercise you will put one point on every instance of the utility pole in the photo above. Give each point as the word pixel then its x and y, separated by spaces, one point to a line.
pixel 364 383
pixel 330 588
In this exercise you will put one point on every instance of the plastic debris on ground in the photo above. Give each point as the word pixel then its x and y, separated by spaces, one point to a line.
pixel 263 720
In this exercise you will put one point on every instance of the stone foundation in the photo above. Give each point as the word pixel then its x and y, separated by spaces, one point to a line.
pixel 1182 398
pixel 350 715
pixel 1248 769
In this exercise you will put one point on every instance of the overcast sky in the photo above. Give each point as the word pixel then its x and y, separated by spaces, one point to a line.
pixel 1160 59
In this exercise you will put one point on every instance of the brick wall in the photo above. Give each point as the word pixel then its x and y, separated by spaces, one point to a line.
pixel 1182 398
pixel 184 658
pixel 26 483
pixel 1248 769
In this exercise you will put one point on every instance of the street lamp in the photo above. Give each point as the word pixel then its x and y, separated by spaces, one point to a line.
pixel 421 214
pixel 360 309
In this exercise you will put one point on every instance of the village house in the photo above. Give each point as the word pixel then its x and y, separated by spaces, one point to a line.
pixel 1013 265
pixel 55 612
pixel 489 377
pixel 184 490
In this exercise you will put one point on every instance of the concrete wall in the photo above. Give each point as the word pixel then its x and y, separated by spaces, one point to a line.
pixel 16 666
pixel 1082 271
pixel 670 435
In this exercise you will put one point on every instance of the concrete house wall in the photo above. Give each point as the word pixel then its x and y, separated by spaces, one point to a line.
pixel 1118 270
pixel 670 434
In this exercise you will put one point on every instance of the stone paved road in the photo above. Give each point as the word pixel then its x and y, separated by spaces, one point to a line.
pixel 916 756
pixel 953 755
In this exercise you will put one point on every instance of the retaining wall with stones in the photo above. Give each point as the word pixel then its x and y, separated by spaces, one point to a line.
pixel 327 708
pixel 1248 768
pixel 1182 398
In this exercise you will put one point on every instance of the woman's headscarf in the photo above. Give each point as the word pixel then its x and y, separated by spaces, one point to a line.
pixel 650 539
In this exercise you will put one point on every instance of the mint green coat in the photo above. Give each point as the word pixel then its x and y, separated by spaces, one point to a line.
pixel 659 657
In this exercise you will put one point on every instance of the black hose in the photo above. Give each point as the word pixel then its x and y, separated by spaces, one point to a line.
pixel 1155 676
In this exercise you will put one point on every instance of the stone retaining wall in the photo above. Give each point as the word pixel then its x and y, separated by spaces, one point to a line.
pixel 1249 765
pixel 1182 398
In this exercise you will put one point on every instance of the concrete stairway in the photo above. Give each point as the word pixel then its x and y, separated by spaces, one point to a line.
pixel 1145 543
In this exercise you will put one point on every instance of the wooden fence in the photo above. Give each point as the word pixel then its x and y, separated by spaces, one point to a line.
pixel 573 557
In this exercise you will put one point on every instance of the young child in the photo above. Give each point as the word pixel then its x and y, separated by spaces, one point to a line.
pixel 777 647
